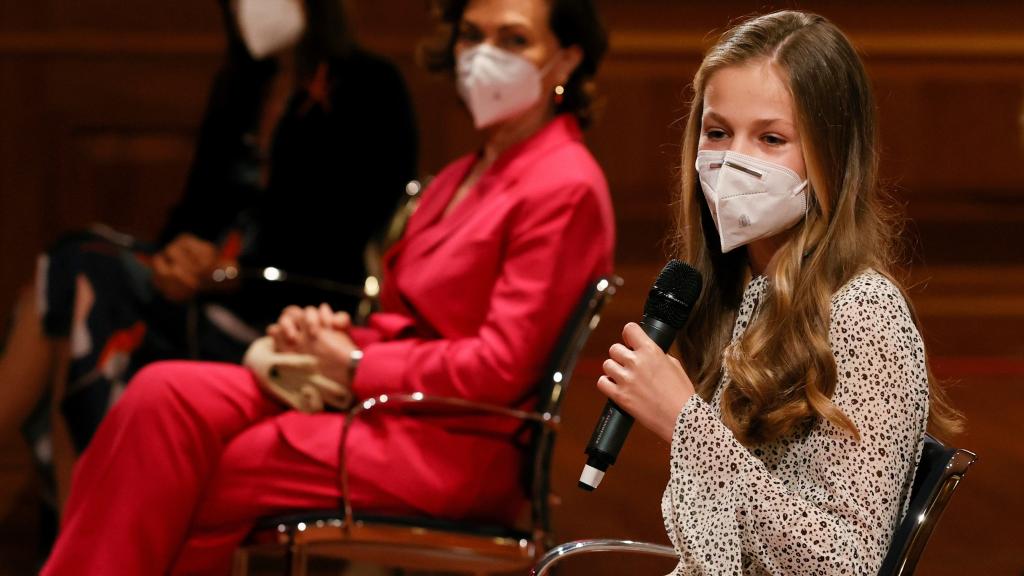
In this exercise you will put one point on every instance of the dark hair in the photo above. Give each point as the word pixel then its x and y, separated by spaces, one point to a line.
pixel 573 22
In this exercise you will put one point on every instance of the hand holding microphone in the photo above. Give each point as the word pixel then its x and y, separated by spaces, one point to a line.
pixel 649 383
pixel 645 382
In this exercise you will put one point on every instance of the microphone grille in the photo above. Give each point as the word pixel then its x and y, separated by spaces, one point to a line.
pixel 674 293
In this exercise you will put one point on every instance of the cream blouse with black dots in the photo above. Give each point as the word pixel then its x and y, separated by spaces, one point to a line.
pixel 816 501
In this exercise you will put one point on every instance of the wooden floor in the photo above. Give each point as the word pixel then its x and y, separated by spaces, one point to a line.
pixel 972 321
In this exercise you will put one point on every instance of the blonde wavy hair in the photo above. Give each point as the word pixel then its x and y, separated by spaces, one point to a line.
pixel 782 371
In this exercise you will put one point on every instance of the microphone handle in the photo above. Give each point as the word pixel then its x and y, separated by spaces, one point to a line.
pixel 608 437
pixel 662 334
pixel 611 431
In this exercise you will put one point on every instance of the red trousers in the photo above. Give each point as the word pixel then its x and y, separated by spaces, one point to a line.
pixel 182 467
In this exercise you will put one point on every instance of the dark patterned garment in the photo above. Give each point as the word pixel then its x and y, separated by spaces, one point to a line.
pixel 817 501
pixel 96 291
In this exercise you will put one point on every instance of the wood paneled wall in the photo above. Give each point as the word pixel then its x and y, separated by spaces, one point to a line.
pixel 100 101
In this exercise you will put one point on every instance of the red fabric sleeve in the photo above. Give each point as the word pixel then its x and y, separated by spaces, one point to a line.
pixel 381 326
pixel 557 244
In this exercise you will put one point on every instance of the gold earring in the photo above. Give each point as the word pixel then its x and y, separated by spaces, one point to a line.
pixel 559 94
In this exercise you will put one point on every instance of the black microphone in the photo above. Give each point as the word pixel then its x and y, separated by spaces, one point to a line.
pixel 667 308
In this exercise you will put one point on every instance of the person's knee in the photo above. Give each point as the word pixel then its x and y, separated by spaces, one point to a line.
pixel 236 491
pixel 222 399
pixel 158 383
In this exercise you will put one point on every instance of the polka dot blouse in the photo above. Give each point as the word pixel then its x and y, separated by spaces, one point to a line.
pixel 817 501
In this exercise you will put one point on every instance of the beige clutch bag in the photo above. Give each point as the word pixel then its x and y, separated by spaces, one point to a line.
pixel 294 379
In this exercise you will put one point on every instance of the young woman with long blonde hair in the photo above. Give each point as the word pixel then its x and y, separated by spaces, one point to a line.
pixel 797 415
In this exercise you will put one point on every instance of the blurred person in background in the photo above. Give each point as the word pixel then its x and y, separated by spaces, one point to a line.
pixel 306 146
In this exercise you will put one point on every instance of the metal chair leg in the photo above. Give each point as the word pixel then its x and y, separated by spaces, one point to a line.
pixel 240 563
pixel 299 561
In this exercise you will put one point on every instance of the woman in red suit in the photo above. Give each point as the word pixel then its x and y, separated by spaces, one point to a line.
pixel 502 246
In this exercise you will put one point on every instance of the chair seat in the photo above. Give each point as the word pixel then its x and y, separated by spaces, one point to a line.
pixel 425 543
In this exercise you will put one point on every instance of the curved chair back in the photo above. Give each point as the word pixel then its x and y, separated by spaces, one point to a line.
pixel 552 389
pixel 938 475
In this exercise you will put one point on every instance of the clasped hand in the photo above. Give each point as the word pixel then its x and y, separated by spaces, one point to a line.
pixel 649 384
pixel 319 332
pixel 179 270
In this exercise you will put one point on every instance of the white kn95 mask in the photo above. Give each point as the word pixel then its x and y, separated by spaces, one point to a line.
pixel 496 84
pixel 268 27
pixel 749 198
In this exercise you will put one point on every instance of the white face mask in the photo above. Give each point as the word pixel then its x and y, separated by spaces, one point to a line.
pixel 497 84
pixel 269 26
pixel 749 198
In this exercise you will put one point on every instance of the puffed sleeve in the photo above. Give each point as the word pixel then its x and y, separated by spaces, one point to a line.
pixel 726 513
pixel 557 243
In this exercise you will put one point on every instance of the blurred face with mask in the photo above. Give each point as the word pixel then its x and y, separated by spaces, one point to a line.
pixel 509 62
pixel 269 27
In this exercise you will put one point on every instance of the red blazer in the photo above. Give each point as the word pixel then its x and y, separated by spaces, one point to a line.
pixel 472 305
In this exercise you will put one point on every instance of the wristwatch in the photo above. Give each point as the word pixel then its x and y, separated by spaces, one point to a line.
pixel 354 357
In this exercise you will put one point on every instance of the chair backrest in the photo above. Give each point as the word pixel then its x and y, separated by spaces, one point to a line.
pixel 938 475
pixel 552 388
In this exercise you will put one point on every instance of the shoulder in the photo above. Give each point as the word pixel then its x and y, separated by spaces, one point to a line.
pixel 366 79
pixel 871 317
pixel 575 189
pixel 880 356
pixel 367 64
pixel 555 156
pixel 564 175
pixel 869 294
pixel 564 184
pixel 569 164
